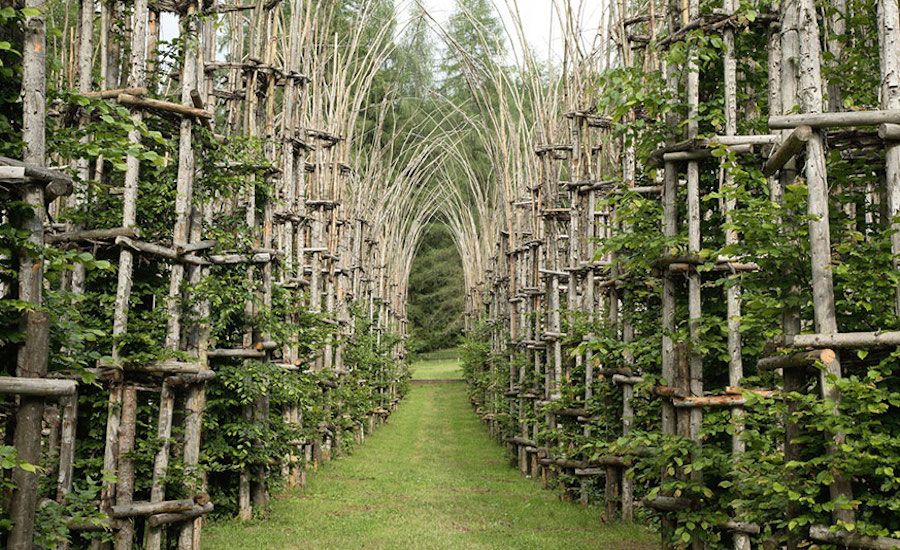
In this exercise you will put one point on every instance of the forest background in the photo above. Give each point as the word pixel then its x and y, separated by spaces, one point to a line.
pixel 432 82
pixel 426 85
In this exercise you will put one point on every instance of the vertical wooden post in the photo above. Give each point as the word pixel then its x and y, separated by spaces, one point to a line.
pixel 85 70
pixel 125 472
pixel 889 44
pixel 27 437
pixel 793 379
pixel 837 27
pixel 670 228
pixel 627 482
pixel 180 236
pixel 32 358
pixel 153 538
pixel 741 541
pixel 136 78
pixel 67 446
pixel 810 92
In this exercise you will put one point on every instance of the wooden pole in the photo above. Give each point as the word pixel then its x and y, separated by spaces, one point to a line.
pixel 195 402
pixel 27 437
pixel 180 235
pixel 670 228
pixel 889 45
pixel 197 342
pixel 692 91
pixel 836 24
pixel 794 143
pixel 125 471
pixel 32 358
pixel 810 93
pixel 67 430
pixel 794 380
pixel 153 539
pixel 85 71
pixel 735 362
pixel 137 78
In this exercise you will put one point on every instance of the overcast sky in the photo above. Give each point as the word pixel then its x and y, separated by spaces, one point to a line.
pixel 539 19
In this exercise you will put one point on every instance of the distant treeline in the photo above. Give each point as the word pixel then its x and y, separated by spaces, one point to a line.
pixel 436 292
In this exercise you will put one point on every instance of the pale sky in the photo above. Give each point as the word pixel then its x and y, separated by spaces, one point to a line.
pixel 540 22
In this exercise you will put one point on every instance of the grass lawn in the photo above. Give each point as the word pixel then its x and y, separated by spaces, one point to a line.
pixel 431 478
pixel 448 353
pixel 437 369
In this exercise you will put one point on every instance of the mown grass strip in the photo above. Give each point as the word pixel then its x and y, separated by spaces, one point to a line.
pixel 437 369
pixel 431 478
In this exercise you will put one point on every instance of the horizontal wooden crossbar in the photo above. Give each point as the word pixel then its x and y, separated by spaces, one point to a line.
pixel 37 387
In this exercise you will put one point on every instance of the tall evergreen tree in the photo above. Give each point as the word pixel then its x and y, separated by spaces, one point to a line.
pixel 410 77
pixel 475 46
pixel 436 292
pixel 413 60
pixel 476 36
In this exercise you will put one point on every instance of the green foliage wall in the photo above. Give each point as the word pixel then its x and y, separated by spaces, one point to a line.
pixel 764 481
pixel 436 294
pixel 81 322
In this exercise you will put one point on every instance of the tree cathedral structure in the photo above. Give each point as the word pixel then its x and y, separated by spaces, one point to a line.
pixel 668 309
pixel 682 290
pixel 196 210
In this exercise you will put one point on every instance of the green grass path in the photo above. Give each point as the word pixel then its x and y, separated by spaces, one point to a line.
pixel 431 478
pixel 437 369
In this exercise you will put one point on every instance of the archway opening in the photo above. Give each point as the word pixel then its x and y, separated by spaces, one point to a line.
pixel 436 292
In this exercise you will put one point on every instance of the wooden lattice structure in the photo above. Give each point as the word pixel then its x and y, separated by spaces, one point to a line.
pixel 282 233
pixel 547 271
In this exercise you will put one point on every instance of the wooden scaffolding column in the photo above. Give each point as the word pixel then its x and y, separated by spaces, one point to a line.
pixel 322 203
pixel 783 55
pixel 584 174
pixel 806 132
pixel 810 94
pixel 253 79
pixel 548 327
pixel 741 541
pixel 175 374
pixel 290 225
pixel 33 355
pixel 618 492
pixel 187 233
pixel 85 83
pixel 137 78
pixel 682 365
pixel 668 304
pixel 521 299
pixel 695 372
pixel 668 299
